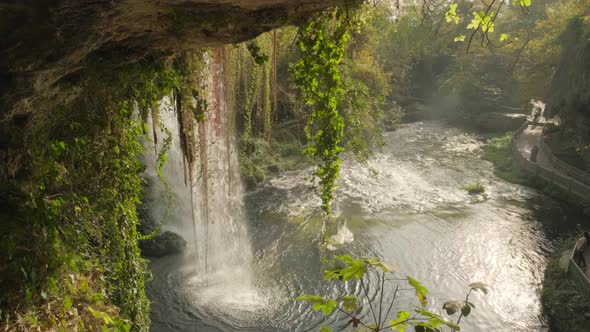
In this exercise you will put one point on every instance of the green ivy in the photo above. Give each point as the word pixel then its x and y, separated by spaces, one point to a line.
pixel 322 41
pixel 71 246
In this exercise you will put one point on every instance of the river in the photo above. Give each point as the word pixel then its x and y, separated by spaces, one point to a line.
pixel 405 206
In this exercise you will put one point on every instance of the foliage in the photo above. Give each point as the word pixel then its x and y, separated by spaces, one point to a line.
pixel 474 188
pixel 273 109
pixel 160 162
pixel 562 300
pixel 420 318
pixel 249 83
pixel 483 20
pixel 72 259
pixel 498 150
pixel 366 86
pixel 569 97
pixel 322 40
pixel 264 148
pixel 259 58
pixel 512 57
pixel 74 302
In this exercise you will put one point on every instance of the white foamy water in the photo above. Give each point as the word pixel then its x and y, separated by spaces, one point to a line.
pixel 407 175
pixel 207 205
pixel 405 206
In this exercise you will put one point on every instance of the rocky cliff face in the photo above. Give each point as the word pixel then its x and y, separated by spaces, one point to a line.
pixel 48 47
pixel 48 42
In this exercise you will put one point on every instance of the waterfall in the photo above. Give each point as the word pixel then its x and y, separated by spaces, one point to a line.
pixel 207 208
pixel 223 247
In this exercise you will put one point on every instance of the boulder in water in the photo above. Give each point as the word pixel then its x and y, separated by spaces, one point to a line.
pixel 166 243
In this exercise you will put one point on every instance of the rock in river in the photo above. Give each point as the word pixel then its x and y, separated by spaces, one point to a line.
pixel 163 244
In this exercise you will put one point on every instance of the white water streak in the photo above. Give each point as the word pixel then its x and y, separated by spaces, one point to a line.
pixel 207 208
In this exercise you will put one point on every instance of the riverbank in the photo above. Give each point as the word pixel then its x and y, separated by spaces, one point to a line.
pixel 498 150
pixel 567 308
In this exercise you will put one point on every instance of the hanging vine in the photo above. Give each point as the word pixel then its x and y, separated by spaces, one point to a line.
pixel 267 110
pixel 322 40
pixel 251 97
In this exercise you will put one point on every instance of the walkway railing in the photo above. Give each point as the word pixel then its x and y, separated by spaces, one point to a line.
pixel 578 275
pixel 555 176
pixel 564 167
pixel 560 174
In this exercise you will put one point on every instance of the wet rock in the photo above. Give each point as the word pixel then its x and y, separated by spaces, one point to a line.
pixel 163 243
pixel 166 243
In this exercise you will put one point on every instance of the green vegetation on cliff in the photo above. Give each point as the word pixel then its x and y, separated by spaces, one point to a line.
pixel 69 236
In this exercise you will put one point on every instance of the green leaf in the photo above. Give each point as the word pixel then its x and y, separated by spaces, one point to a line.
pixel 319 303
pixel 345 258
pixel 102 315
pixel 451 14
pixel 379 264
pixel 95 313
pixel 325 329
pixel 401 322
pixel 479 286
pixel 504 37
pixel 356 268
pixel 459 38
pixel 67 303
pixel 327 307
pixel 451 307
pixel 349 303
pixel 421 291
pixel 474 22
pixel 435 320
pixel 466 309
pixel 523 3
pixel 483 21
pixel 334 273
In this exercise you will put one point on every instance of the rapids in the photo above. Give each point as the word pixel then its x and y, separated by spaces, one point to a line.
pixel 405 206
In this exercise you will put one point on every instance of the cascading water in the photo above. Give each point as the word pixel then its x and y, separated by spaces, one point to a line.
pixel 206 206
pixel 223 252
pixel 406 206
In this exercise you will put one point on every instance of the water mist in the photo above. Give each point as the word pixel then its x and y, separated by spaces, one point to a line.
pixel 202 200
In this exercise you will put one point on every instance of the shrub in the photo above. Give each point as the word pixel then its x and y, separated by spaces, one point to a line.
pixel 474 188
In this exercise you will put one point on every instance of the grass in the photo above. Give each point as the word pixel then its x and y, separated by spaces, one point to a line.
pixel 498 150
pixel 474 188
